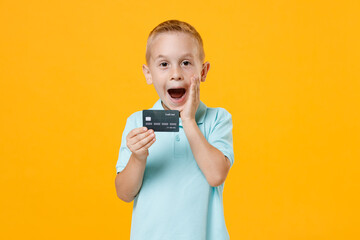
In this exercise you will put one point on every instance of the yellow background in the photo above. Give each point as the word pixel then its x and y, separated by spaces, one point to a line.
pixel 288 71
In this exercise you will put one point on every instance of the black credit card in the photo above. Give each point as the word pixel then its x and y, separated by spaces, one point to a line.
pixel 161 120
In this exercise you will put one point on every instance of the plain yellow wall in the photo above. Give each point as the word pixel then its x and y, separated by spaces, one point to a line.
pixel 288 71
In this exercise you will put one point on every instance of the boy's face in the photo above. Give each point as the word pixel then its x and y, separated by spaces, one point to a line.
pixel 174 59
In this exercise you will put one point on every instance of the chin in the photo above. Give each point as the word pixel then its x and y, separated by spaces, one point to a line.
pixel 171 106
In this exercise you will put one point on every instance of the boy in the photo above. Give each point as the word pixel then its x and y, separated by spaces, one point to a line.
pixel 176 178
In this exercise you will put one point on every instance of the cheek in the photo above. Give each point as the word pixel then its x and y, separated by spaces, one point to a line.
pixel 159 84
pixel 161 76
pixel 190 72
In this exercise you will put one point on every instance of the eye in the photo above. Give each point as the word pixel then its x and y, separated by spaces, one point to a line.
pixel 186 63
pixel 163 64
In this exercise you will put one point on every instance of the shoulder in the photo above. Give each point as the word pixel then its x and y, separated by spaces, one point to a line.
pixel 135 119
pixel 217 114
pixel 135 115
pixel 217 119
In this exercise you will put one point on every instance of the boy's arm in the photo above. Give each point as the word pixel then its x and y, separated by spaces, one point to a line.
pixel 128 182
pixel 212 162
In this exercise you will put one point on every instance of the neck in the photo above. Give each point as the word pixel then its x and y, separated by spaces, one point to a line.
pixel 164 106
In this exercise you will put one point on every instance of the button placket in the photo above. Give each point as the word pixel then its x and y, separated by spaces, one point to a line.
pixel 180 143
pixel 177 137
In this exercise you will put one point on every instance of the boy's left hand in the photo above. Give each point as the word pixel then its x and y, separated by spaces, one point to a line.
pixel 190 107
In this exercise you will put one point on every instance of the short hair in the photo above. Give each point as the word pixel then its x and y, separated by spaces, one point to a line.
pixel 175 26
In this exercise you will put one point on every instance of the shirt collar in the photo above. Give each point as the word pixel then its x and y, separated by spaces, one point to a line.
pixel 199 116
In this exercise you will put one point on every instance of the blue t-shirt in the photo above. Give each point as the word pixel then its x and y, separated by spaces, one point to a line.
pixel 175 200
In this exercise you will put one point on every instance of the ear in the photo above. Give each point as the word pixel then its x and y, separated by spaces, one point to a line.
pixel 204 71
pixel 147 74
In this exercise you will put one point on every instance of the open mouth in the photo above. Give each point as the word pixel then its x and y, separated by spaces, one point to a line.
pixel 177 93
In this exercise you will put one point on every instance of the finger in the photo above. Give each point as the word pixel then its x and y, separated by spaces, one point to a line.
pixel 196 78
pixel 130 142
pixel 198 89
pixel 137 138
pixel 193 87
pixel 139 145
pixel 146 147
pixel 196 84
pixel 144 142
pixel 135 132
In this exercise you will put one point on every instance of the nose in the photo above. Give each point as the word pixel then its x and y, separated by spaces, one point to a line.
pixel 176 73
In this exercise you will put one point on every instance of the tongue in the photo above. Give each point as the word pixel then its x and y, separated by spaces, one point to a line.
pixel 176 93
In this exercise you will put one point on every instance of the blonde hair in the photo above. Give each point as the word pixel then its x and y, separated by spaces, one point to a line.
pixel 175 26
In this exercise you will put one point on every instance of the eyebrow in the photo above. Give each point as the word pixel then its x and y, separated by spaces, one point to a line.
pixel 185 55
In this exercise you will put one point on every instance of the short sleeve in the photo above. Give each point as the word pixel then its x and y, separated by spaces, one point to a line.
pixel 124 152
pixel 221 134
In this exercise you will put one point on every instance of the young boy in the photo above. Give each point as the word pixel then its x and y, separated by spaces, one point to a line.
pixel 176 179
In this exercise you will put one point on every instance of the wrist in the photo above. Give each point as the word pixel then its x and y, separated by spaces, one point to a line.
pixel 139 159
pixel 188 122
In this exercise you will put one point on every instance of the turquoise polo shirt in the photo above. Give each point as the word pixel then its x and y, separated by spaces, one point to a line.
pixel 175 200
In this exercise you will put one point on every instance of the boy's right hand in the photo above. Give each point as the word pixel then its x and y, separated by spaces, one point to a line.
pixel 139 140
